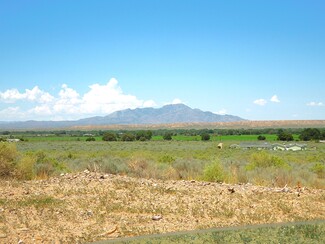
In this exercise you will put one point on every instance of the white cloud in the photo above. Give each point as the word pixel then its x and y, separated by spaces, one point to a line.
pixel 69 104
pixel 11 114
pixel 275 99
pixel 221 112
pixel 108 98
pixel 315 104
pixel 260 102
pixel 34 95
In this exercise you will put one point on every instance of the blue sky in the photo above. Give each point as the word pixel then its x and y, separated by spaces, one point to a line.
pixel 261 60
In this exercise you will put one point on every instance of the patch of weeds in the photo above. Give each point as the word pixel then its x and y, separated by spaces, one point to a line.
pixel 39 202
pixel 265 160
pixel 214 172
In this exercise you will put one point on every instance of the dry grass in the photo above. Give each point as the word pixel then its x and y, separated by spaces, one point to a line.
pixel 89 206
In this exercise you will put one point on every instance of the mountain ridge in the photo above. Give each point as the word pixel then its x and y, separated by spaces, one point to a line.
pixel 168 114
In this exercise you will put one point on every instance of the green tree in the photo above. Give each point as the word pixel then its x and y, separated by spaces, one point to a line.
pixel 143 135
pixel 108 136
pixel 167 136
pixel 205 137
pixel 284 136
pixel 91 139
pixel 128 137
pixel 310 134
pixel 261 138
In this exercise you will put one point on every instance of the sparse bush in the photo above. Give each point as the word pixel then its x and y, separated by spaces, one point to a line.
pixel 319 169
pixel 8 159
pixel 167 159
pixel 264 160
pixel 26 168
pixel 214 172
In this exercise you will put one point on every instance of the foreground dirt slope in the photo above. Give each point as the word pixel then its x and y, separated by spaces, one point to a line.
pixel 78 208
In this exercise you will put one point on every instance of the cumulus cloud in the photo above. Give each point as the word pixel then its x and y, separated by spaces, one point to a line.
pixel 98 100
pixel 315 104
pixel 34 95
pixel 275 99
pixel 260 102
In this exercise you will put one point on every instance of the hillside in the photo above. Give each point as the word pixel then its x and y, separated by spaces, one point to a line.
pixel 169 114
pixel 88 206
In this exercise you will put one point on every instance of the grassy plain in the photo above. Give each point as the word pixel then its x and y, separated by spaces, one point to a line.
pixel 182 159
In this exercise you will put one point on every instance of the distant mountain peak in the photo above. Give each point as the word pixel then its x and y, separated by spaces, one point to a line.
pixel 168 114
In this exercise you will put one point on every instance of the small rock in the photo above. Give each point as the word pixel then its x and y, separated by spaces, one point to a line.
pixel 86 171
pixel 3 235
pixel 231 190
pixel 156 217
pixel 20 242
pixel 192 181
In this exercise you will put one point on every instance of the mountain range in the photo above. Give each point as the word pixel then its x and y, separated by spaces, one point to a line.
pixel 168 114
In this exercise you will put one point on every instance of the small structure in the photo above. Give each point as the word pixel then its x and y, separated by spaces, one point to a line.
pixel 278 146
pixel 220 145
pixel 296 147
pixel 13 140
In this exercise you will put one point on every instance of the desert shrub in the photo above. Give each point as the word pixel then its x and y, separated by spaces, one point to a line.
pixel 114 166
pixel 26 168
pixel 214 172
pixel 167 159
pixel 8 158
pixel 319 169
pixel 265 160
pixel 46 166
pixel 188 168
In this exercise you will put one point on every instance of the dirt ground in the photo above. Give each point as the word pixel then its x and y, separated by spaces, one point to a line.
pixel 88 206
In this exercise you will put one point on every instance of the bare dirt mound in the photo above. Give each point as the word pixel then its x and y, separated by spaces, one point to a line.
pixel 83 207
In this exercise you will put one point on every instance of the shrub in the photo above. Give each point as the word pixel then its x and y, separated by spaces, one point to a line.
pixel 91 139
pixel 25 168
pixel 108 136
pixel 264 160
pixel 205 137
pixel 319 169
pixel 128 137
pixel 261 138
pixel 167 159
pixel 167 136
pixel 214 172
pixel 8 158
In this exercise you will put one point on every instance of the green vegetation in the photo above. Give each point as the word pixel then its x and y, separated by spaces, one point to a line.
pixel 313 232
pixel 164 155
